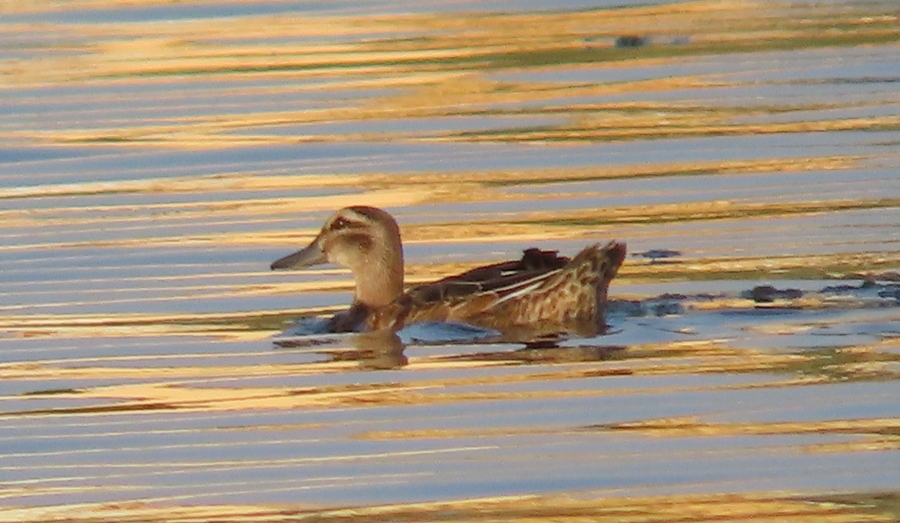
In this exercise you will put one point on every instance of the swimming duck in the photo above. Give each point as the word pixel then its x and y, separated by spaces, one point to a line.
pixel 540 288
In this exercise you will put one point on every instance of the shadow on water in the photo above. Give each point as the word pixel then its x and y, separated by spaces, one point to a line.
pixel 818 316
pixel 385 349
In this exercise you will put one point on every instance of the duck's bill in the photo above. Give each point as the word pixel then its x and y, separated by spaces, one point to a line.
pixel 307 257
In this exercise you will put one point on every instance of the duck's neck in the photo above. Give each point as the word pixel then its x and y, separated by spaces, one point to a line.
pixel 379 281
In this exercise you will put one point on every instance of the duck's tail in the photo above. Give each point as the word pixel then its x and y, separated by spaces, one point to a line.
pixel 608 260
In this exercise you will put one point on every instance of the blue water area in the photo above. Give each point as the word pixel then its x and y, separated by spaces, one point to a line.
pixel 149 356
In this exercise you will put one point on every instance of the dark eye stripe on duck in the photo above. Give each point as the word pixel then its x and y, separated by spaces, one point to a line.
pixel 340 223
pixel 343 223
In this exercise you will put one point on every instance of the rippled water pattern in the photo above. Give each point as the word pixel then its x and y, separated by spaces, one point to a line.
pixel 156 157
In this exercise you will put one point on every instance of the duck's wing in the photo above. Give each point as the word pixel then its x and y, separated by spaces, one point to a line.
pixel 533 262
pixel 541 286
pixel 489 278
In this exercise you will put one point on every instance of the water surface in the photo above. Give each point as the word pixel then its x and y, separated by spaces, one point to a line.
pixel 156 159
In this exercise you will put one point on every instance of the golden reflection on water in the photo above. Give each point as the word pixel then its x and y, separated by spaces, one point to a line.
pixel 76 365
pixel 444 70
pixel 688 508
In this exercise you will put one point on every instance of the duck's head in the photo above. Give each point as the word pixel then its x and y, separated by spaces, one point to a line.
pixel 365 240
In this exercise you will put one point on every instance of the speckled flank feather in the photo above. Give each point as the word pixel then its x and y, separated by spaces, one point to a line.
pixel 573 293
pixel 540 289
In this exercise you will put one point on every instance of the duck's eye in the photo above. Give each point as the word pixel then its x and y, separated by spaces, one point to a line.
pixel 340 223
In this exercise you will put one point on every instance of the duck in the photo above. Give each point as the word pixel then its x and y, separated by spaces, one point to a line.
pixel 540 289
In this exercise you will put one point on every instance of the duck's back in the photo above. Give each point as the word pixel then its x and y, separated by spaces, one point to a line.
pixel 541 288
